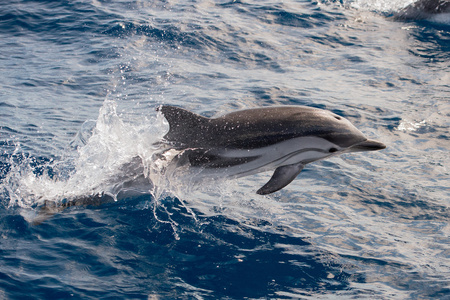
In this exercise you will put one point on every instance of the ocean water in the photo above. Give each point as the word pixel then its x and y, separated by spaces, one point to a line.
pixel 80 82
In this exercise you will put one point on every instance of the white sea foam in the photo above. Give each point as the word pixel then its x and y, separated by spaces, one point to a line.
pixel 379 5
pixel 101 162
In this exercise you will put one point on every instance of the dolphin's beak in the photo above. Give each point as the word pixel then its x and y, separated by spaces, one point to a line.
pixel 367 145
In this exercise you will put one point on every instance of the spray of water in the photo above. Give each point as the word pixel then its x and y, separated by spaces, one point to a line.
pixel 108 157
pixel 382 6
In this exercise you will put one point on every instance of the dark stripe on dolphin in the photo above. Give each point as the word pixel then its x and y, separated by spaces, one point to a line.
pixel 207 159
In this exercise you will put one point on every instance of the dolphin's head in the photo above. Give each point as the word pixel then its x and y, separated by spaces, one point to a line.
pixel 341 135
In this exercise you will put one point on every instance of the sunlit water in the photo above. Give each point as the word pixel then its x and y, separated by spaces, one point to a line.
pixel 80 84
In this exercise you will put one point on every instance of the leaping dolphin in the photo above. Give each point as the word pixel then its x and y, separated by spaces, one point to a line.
pixel 246 142
pixel 424 9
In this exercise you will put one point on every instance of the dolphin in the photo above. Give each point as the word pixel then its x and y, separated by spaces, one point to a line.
pixel 246 142
pixel 423 9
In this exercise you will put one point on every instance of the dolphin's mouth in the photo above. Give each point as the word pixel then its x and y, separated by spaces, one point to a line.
pixel 367 145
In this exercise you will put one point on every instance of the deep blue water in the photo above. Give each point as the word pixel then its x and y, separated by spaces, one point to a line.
pixel 80 81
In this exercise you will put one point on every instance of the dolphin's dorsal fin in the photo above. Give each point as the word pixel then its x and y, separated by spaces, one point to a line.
pixel 182 123
pixel 281 177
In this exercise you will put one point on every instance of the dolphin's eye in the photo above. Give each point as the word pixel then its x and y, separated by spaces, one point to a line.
pixel 337 117
pixel 332 150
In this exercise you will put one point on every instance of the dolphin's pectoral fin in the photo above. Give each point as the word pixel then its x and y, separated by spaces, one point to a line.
pixel 281 177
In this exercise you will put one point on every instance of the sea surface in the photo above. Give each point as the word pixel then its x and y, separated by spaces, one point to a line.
pixel 80 82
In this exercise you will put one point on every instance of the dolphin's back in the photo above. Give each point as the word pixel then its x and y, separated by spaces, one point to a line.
pixel 255 128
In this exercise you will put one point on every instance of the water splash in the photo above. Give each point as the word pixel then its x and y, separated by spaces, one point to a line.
pixel 408 125
pixel 401 9
pixel 382 6
pixel 104 159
